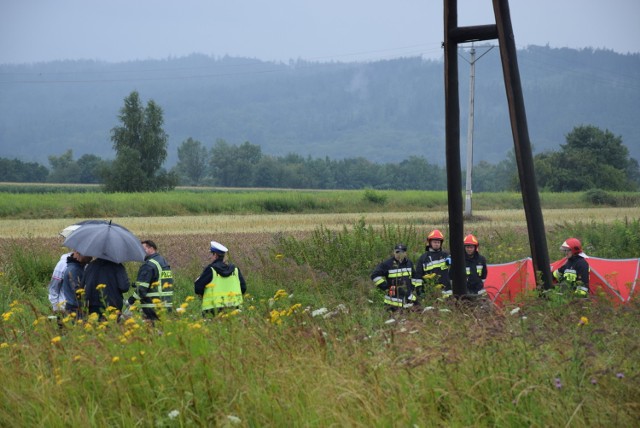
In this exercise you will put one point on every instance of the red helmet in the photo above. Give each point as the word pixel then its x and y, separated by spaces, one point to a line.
pixel 471 240
pixel 573 245
pixel 435 234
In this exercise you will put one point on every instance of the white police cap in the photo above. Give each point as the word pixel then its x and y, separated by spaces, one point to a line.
pixel 217 247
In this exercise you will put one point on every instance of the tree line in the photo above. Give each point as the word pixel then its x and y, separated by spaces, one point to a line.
pixel 590 159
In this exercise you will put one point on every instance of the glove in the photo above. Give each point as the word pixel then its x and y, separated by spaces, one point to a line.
pixel 447 261
pixel 131 300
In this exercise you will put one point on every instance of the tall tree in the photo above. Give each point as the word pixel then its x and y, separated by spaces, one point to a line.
pixel 141 149
pixel 193 162
pixel 591 159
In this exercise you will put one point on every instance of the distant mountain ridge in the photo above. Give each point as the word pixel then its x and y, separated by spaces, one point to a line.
pixel 384 111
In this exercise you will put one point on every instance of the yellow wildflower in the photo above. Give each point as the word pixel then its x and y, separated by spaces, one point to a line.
pixel 56 340
pixel 7 315
pixel 184 305
pixel 4 345
pixel 189 299
pixel 279 256
pixel 14 304
pixel 101 286
pixel 583 321
pixel 115 359
pixel 280 294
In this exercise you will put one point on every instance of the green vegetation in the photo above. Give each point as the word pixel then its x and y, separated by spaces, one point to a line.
pixel 313 346
pixel 141 150
pixel 57 201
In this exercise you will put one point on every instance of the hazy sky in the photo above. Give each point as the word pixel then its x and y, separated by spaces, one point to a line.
pixel 319 30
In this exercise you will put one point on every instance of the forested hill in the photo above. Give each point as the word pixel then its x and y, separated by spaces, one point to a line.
pixel 384 111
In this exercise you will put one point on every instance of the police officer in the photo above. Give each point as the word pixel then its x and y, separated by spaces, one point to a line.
pixel 575 271
pixel 221 284
pixel 394 276
pixel 154 283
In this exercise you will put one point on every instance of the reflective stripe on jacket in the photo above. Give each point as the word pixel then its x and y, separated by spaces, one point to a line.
pixel 162 289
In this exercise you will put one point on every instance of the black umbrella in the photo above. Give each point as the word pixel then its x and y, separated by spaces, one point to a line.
pixel 107 241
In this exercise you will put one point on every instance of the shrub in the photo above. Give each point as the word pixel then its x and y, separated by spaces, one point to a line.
pixel 374 197
pixel 599 197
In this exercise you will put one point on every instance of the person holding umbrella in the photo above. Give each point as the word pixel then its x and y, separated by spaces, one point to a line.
pixel 105 278
pixel 154 283
pixel 104 284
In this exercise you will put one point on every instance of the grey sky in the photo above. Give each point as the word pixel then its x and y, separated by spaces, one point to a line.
pixel 320 30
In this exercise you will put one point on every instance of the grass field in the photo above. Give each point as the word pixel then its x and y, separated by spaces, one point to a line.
pixel 313 345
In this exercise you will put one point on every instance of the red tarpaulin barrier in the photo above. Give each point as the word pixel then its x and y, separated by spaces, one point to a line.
pixel 617 278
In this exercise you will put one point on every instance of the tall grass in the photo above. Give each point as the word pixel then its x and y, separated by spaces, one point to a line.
pixel 87 204
pixel 313 345
pixel 457 366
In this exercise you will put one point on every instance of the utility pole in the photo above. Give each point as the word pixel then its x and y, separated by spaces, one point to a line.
pixel 503 31
pixel 472 84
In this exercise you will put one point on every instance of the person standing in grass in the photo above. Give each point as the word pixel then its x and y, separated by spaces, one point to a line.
pixel 575 271
pixel 154 283
pixel 104 284
pixel 72 282
pixel 394 276
pixel 56 297
pixel 476 266
pixel 433 266
pixel 221 284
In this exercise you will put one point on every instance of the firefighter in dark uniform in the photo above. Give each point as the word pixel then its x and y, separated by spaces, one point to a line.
pixel 433 266
pixel 476 266
pixel 575 271
pixel 154 283
pixel 394 276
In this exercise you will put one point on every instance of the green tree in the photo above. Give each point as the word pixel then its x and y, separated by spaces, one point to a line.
pixel 64 169
pixel 141 149
pixel 22 172
pixel 234 165
pixel 91 167
pixel 591 159
pixel 193 162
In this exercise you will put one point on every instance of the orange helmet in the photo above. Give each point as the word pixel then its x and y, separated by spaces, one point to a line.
pixel 435 234
pixel 471 240
pixel 573 245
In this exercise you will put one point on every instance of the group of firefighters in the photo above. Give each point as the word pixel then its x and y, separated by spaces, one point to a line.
pixel 405 284
pixel 221 284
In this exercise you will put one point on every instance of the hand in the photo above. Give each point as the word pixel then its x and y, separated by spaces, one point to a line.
pixel 447 261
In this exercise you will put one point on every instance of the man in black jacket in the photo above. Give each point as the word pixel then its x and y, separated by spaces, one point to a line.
pixel 154 283
pixel 104 284
pixel 394 276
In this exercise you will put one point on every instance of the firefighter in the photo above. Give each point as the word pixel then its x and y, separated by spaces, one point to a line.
pixel 476 266
pixel 575 271
pixel 154 283
pixel 221 284
pixel 433 263
pixel 394 276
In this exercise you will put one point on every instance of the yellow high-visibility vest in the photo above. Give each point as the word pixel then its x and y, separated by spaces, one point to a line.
pixel 222 291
